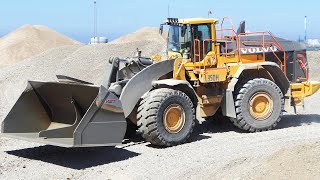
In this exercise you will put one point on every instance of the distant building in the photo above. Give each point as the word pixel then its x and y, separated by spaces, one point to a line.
pixel 313 44
pixel 99 40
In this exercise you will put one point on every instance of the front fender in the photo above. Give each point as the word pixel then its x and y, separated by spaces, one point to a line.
pixel 181 85
pixel 142 83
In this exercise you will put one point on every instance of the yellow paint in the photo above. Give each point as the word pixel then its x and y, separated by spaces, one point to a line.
pixel 297 93
pixel 192 75
pixel 305 89
pixel 261 106
pixel 233 68
pixel 157 58
pixel 213 75
pixel 301 90
pixel 252 58
pixel 311 87
pixel 210 59
pixel 179 69
pixel 209 110
pixel 174 118
pixel 209 104
pixel 174 55
pixel 221 67
pixel 198 21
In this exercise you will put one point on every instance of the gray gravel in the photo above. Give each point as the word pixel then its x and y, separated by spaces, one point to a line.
pixel 216 149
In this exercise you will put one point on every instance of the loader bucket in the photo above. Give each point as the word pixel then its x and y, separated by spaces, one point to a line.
pixel 67 115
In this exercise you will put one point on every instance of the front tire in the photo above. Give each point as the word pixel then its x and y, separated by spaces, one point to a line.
pixel 259 105
pixel 166 117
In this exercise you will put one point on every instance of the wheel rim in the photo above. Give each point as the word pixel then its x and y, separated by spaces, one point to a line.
pixel 261 106
pixel 174 118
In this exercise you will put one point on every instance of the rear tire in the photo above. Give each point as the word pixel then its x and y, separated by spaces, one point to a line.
pixel 166 117
pixel 259 105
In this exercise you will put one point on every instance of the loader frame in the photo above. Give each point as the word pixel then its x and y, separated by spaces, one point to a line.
pixel 207 73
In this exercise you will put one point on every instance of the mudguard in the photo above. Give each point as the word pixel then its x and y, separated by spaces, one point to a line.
pixel 228 108
pixel 141 83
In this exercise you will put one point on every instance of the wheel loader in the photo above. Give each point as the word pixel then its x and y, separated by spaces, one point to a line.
pixel 211 71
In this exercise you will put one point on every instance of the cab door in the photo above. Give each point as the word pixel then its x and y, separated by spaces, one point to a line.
pixel 201 33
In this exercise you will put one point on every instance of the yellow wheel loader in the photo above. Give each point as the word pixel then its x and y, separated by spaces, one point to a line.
pixel 252 78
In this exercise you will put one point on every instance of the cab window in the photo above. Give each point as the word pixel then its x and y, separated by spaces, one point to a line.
pixel 179 38
pixel 202 33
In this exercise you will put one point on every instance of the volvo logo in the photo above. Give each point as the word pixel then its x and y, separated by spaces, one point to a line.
pixel 258 50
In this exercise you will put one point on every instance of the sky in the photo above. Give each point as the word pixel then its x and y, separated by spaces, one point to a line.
pixel 118 17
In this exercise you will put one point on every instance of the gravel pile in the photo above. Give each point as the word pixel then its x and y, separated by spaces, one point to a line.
pixel 28 41
pixel 150 33
pixel 216 150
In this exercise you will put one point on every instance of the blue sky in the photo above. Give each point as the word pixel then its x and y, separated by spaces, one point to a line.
pixel 118 17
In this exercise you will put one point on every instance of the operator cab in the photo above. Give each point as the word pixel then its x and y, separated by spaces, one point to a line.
pixel 186 34
pixel 201 42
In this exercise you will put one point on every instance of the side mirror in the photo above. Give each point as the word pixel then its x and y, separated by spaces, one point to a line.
pixel 183 30
pixel 161 29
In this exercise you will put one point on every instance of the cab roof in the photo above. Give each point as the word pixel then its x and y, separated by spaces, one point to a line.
pixel 192 20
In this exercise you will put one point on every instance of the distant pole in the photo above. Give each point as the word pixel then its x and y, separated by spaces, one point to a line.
pixel 305 28
pixel 95 14
pixel 209 13
pixel 169 7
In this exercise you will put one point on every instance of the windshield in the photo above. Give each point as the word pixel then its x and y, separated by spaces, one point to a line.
pixel 179 38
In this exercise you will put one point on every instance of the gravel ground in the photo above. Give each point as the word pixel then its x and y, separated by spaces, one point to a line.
pixel 297 162
pixel 216 150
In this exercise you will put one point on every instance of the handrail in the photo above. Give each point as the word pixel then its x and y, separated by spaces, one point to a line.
pixel 274 43
pixel 227 29
pixel 223 54
pixel 237 51
pixel 302 65
pixel 284 53
pixel 195 55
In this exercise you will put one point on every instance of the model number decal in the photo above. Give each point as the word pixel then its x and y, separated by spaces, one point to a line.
pixel 213 78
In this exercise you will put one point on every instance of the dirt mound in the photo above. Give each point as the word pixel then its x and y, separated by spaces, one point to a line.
pixel 298 162
pixel 28 41
pixel 146 33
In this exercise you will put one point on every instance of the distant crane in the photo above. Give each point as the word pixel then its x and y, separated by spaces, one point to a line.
pixel 96 39
pixel 305 28
pixel 95 16
pixel 169 7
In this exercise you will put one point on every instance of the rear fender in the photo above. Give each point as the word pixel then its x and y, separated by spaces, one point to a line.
pixel 228 108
